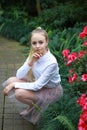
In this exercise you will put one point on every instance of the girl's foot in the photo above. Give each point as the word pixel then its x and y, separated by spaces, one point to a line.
pixel 25 112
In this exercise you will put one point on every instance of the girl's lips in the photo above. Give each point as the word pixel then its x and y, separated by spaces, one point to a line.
pixel 38 51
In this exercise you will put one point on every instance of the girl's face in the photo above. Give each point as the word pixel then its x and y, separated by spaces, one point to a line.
pixel 39 43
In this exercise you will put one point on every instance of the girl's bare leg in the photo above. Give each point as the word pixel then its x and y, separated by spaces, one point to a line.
pixel 26 97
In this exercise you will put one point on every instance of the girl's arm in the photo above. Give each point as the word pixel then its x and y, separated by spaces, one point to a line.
pixel 42 81
pixel 23 70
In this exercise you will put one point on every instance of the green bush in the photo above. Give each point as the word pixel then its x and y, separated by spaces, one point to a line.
pixel 17 29
pixel 62 115
pixel 15 24
pixel 63 15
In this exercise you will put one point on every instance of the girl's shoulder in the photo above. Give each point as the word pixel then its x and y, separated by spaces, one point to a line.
pixel 52 58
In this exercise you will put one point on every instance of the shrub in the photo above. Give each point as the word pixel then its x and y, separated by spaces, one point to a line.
pixel 62 115
pixel 63 15
pixel 76 61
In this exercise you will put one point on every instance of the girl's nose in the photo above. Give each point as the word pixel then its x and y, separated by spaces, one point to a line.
pixel 37 45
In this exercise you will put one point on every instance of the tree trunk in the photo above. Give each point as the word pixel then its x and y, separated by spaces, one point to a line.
pixel 27 6
pixel 38 7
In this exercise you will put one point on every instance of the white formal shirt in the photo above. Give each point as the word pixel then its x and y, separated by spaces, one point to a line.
pixel 45 71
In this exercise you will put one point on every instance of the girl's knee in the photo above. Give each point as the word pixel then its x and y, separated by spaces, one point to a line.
pixel 24 94
pixel 18 93
pixel 9 81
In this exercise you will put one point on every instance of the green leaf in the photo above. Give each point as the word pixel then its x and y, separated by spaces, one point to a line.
pixel 65 121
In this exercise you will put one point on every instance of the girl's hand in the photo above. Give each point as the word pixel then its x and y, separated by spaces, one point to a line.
pixel 8 89
pixel 34 58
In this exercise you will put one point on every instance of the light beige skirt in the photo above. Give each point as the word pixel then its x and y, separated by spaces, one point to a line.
pixel 44 97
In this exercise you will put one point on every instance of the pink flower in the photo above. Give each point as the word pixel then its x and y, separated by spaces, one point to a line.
pixel 82 100
pixel 84 108
pixel 81 54
pixel 83 34
pixel 85 30
pixel 72 78
pixel 84 77
pixel 72 56
pixel 68 63
pixel 82 125
pixel 85 44
pixel 71 70
pixel 65 52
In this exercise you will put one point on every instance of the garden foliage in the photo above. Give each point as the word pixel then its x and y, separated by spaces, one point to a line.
pixel 63 24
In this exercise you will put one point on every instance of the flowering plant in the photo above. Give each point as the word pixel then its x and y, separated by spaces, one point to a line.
pixel 77 61
pixel 77 64
pixel 82 101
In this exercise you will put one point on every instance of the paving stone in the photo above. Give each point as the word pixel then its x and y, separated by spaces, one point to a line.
pixel 11 58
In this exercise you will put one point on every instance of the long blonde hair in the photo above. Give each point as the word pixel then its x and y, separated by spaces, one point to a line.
pixel 45 34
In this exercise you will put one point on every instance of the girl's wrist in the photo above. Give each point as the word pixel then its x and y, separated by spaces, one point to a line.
pixel 30 64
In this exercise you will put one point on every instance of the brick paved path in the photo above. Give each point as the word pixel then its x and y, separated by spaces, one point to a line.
pixel 11 58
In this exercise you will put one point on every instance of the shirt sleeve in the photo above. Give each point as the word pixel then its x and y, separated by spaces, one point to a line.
pixel 23 70
pixel 39 83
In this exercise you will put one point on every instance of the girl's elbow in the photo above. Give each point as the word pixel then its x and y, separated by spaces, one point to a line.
pixel 18 76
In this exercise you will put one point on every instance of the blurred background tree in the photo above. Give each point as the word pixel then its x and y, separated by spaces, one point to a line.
pixel 34 7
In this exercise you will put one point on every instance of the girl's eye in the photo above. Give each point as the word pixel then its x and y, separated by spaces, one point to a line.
pixel 41 42
pixel 33 43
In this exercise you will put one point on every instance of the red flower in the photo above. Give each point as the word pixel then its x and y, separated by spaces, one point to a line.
pixel 68 63
pixel 72 78
pixel 72 57
pixel 65 52
pixel 83 34
pixel 85 30
pixel 82 125
pixel 84 77
pixel 82 100
pixel 81 54
pixel 71 70
pixel 85 44
pixel 84 108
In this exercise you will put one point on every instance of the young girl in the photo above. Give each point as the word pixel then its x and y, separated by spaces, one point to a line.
pixel 37 82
